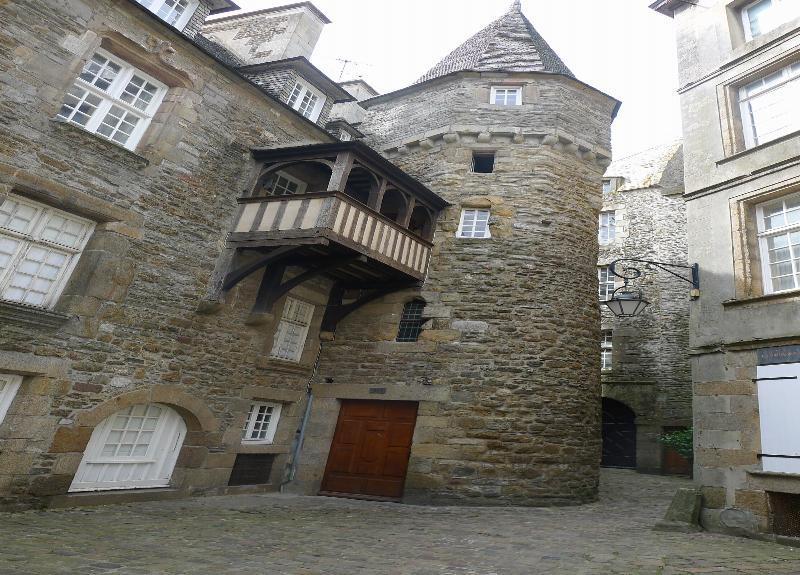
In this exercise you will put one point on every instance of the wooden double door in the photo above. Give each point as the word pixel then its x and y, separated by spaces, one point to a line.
pixel 370 449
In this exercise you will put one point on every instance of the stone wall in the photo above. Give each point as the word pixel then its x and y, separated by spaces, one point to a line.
pixel 506 369
pixel 126 329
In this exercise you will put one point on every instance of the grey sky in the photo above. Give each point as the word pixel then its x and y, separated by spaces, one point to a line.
pixel 619 46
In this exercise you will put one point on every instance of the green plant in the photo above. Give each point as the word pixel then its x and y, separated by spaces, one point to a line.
pixel 681 441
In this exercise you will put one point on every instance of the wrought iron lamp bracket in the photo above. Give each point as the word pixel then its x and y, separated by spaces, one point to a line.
pixel 628 273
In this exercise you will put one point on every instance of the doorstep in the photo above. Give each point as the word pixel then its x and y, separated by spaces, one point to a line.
pixel 94 498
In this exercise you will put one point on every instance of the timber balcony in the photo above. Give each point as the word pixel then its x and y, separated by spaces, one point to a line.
pixel 339 211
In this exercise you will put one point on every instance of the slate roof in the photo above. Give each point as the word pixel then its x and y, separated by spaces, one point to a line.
pixel 648 168
pixel 509 44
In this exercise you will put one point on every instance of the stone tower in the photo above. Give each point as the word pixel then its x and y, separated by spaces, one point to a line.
pixel 506 368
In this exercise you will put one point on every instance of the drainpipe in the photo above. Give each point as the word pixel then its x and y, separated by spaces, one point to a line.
pixel 301 431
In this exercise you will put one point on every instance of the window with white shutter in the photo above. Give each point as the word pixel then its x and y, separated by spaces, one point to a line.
pixel 290 337
pixel 261 423
pixel 778 406
pixel 9 385
pixel 113 99
pixel 39 247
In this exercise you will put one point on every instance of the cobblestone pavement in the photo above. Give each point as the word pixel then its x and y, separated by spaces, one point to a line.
pixel 282 535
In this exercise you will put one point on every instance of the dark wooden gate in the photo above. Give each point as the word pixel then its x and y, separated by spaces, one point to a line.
pixel 370 449
pixel 619 435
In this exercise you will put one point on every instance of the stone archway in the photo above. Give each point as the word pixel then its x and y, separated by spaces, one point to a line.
pixel 619 435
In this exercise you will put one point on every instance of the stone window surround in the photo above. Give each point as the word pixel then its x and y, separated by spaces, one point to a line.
pixel 109 219
pixel 738 35
pixel 153 59
pixel 733 139
pixel 290 402
pixel 747 268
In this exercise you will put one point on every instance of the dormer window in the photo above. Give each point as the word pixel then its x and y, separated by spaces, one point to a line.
pixel 764 15
pixel 307 101
pixel 176 13
pixel 506 96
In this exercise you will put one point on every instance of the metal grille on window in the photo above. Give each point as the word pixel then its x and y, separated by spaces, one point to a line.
pixel 606 350
pixel 411 321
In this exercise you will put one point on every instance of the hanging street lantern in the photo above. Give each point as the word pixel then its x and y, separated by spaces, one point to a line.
pixel 628 301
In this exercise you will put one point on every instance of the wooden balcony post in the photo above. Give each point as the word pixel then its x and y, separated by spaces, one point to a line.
pixel 341 172
pixel 405 217
pixel 376 195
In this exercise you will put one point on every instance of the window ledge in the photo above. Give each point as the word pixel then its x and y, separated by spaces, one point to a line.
pixel 29 316
pixel 748 151
pixel 136 159
pixel 282 366
pixel 266 448
pixel 773 297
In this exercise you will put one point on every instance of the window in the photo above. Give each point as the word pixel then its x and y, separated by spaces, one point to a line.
pixel 608 227
pixel 290 337
pixel 503 96
pixel 261 423
pixel 483 162
pixel 411 321
pixel 176 13
pixel 607 189
pixel 39 247
pixel 282 184
pixel 345 136
pixel 113 99
pixel 779 241
pixel 9 385
pixel 769 106
pixel 606 350
pixel 474 224
pixel 764 15
pixel 307 101
pixel 606 281
pixel 778 403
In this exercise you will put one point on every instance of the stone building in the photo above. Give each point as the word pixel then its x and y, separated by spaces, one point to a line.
pixel 646 374
pixel 206 287
pixel 739 65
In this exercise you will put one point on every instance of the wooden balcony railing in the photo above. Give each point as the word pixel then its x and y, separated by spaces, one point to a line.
pixel 335 217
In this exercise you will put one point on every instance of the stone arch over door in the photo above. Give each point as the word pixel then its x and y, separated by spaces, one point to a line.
pixel 619 435
pixel 202 431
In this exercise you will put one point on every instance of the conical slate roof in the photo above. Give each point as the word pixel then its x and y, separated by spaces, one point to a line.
pixel 509 44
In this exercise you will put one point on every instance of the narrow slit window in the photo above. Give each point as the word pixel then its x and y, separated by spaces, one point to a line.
pixel 483 162
pixel 411 321
pixel 606 350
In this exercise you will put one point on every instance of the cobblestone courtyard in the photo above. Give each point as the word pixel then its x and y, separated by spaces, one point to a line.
pixel 249 535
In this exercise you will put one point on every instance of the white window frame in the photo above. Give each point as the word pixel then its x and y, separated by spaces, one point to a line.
pixel 111 96
pixel 475 233
pixel 251 420
pixel 778 402
pixel 31 237
pixel 607 187
pixel 787 79
pixel 297 104
pixel 155 5
pixel 301 185
pixel 610 226
pixel 506 90
pixel 781 12
pixel 11 384
pixel 607 350
pixel 286 323
pixel 763 238
pixel 609 282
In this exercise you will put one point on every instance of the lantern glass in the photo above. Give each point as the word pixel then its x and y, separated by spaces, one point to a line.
pixel 627 304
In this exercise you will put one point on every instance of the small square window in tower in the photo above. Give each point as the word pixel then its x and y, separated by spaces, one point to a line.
pixel 483 162
pixel 411 321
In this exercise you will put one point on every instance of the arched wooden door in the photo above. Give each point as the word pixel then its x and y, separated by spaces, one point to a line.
pixel 619 435
pixel 135 448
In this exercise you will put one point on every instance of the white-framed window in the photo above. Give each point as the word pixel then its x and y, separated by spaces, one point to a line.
pixel 261 423
pixel 290 337
pixel 474 224
pixel 779 242
pixel 176 13
pixel 9 385
pixel 113 99
pixel 606 350
pixel 306 100
pixel 506 95
pixel 608 227
pixel 345 136
pixel 606 283
pixel 607 188
pixel 769 106
pixel 39 248
pixel 286 185
pixel 778 404
pixel 764 15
